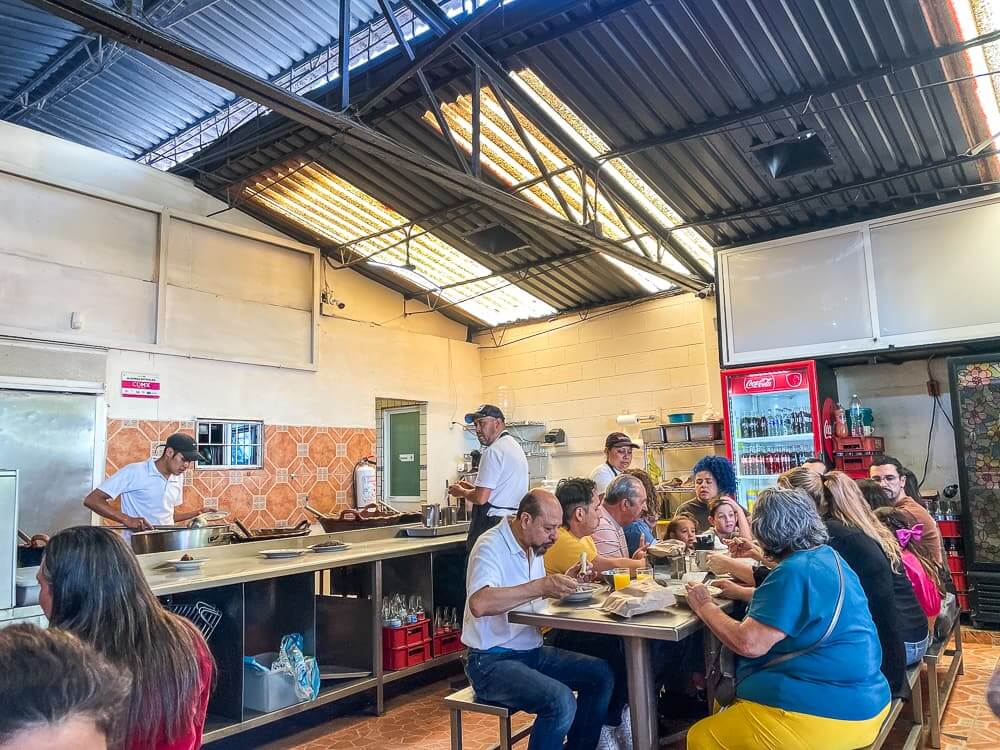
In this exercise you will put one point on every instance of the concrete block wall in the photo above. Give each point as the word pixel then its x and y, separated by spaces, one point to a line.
pixel 656 357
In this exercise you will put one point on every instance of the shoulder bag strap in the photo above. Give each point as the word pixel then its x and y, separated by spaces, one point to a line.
pixel 829 631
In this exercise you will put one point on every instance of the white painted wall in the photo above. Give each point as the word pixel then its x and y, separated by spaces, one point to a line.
pixel 897 394
pixel 654 358
pixel 371 350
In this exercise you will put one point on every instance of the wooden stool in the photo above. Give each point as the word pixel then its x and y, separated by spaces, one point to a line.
pixel 465 700
pixel 913 737
pixel 938 693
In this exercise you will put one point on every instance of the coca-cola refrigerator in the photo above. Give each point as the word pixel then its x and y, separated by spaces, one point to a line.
pixel 776 416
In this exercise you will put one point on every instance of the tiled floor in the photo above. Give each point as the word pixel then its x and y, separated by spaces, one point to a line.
pixel 416 720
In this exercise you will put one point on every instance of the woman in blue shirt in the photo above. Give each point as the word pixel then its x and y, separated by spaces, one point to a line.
pixel 833 697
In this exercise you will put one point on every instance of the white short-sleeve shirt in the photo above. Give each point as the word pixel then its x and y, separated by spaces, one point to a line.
pixel 602 477
pixel 503 469
pixel 497 560
pixel 145 492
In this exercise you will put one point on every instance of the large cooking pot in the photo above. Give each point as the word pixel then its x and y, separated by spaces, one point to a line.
pixel 176 538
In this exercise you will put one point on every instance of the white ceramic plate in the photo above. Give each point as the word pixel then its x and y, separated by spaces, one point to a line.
pixel 181 565
pixel 278 554
pixel 336 547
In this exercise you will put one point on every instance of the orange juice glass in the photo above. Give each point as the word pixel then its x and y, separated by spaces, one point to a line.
pixel 622 578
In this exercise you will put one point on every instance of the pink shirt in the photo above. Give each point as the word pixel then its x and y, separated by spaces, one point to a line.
pixel 927 593
pixel 609 537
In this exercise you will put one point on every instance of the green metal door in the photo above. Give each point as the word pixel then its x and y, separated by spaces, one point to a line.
pixel 404 453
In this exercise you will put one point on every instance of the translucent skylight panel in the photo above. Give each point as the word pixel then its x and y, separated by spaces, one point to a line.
pixel 333 208
pixel 624 177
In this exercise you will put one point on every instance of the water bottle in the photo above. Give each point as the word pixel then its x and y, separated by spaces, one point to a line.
pixel 856 417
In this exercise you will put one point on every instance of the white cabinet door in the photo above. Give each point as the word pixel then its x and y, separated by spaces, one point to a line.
pixel 936 276
pixel 801 297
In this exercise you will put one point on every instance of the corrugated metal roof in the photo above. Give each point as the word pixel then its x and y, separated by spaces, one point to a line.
pixel 670 96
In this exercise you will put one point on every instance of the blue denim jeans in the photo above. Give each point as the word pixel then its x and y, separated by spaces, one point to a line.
pixel 541 681
pixel 915 651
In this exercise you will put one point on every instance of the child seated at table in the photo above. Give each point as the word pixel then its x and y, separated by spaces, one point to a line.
pixel 684 528
pixel 724 517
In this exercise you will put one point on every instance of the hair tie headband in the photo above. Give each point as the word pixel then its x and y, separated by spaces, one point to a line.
pixel 905 536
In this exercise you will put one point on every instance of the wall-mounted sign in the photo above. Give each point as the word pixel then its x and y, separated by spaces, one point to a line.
pixel 140 385
pixel 406 458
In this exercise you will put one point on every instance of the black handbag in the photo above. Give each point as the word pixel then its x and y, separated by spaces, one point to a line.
pixel 721 679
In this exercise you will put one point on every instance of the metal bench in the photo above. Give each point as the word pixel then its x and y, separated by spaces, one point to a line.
pixel 465 700
pixel 913 736
pixel 939 690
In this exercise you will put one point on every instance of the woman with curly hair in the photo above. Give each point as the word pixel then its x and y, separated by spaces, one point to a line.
pixel 714 479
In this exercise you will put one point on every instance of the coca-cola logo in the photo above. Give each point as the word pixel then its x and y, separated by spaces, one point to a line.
pixel 759 383
pixel 794 379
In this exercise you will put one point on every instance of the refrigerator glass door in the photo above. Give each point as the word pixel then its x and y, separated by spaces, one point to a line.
pixel 772 426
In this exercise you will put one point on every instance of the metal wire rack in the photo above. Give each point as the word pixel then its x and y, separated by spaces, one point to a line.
pixel 204 616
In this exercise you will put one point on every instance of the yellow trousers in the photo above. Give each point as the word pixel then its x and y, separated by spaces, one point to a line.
pixel 753 726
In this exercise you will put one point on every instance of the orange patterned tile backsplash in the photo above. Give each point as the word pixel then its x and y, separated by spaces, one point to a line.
pixel 301 464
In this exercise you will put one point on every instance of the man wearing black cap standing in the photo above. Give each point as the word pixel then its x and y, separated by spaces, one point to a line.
pixel 149 490
pixel 618 449
pixel 503 473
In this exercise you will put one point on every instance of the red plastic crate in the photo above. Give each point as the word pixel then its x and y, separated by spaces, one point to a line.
pixel 963 602
pixel 405 656
pixel 870 443
pixel 407 635
pixel 853 461
pixel 961 585
pixel 447 642
pixel 950 529
pixel 956 563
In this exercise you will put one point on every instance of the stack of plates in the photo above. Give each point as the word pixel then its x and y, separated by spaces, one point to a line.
pixel 330 546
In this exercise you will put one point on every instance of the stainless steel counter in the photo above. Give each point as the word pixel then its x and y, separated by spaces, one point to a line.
pixel 240 563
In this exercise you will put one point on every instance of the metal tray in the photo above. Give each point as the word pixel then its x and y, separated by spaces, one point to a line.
pixel 455 528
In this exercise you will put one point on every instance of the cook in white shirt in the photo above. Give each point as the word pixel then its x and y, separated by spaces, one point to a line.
pixel 618 449
pixel 503 473
pixel 149 490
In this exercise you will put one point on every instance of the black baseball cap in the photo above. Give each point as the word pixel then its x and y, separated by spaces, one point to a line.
pixel 185 445
pixel 486 410
pixel 618 440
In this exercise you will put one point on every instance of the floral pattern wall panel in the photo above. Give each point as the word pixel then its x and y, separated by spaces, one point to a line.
pixel 976 391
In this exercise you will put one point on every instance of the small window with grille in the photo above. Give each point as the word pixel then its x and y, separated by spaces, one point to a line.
pixel 230 443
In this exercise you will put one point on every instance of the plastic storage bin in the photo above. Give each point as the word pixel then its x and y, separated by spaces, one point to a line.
pixel 407 635
pixel 405 656
pixel 677 433
pixel 268 691
pixel 705 430
pixel 447 643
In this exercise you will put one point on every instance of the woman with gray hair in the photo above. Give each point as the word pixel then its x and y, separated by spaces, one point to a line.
pixel 807 672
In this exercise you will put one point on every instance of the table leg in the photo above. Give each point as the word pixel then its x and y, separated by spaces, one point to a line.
pixel 712 647
pixel 641 694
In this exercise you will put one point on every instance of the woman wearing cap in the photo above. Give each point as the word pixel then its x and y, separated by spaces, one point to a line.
pixel 150 489
pixel 618 449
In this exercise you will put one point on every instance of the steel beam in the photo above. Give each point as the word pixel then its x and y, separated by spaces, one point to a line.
pixel 511 116
pixel 474 52
pixel 701 129
pixel 443 44
pixel 152 42
pixel 80 49
pixel 344 53
pixel 477 84
pixel 748 214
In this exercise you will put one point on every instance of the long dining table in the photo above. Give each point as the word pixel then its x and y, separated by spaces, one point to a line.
pixel 674 623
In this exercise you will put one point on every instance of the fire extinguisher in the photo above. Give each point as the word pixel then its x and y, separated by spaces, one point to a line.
pixel 364 482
